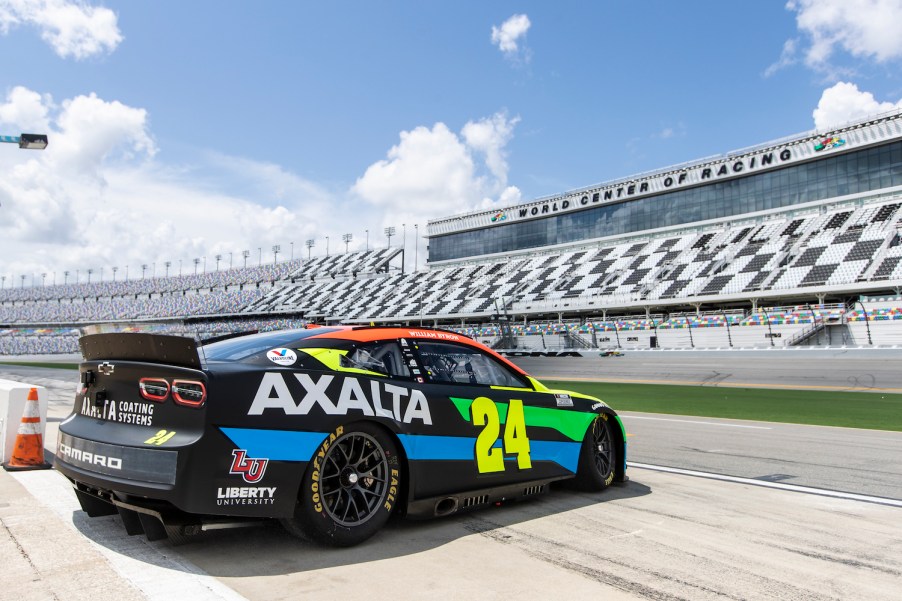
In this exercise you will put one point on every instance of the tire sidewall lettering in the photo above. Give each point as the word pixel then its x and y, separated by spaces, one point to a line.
pixel 315 497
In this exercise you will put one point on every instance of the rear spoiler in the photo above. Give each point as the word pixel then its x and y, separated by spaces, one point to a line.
pixel 149 348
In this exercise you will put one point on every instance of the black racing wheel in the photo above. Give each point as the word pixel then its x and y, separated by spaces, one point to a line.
pixel 350 487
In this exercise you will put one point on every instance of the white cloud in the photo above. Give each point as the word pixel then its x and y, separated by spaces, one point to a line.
pixel 26 109
pixel 867 29
pixel 73 29
pixel 844 102
pixel 508 36
pixel 490 136
pixel 93 131
pixel 434 172
pixel 787 57
pixel 97 197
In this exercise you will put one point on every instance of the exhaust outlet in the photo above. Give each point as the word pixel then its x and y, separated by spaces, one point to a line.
pixel 446 506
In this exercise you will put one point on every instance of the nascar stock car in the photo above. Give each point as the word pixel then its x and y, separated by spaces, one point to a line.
pixel 328 429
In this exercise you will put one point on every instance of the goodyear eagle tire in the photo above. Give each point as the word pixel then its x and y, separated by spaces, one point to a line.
pixel 349 489
pixel 597 457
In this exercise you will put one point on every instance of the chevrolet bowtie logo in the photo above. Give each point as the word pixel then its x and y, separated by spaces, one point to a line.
pixel 106 369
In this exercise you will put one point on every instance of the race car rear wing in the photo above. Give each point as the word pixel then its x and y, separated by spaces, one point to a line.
pixel 149 348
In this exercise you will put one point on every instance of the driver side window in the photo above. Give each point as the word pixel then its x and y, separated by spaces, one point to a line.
pixel 381 357
pixel 446 362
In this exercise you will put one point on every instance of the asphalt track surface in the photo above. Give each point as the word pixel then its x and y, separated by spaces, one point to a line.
pixel 661 536
pixel 850 369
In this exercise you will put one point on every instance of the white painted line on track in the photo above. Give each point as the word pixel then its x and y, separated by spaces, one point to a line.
pixel 151 567
pixel 777 485
pixel 688 421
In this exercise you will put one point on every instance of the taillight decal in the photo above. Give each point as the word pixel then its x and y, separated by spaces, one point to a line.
pixel 190 393
pixel 154 389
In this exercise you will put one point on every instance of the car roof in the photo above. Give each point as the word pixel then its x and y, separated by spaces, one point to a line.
pixel 374 333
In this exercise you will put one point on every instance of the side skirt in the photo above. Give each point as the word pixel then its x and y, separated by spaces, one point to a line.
pixel 453 503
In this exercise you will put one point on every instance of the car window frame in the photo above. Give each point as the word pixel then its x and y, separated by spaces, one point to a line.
pixel 521 381
pixel 398 355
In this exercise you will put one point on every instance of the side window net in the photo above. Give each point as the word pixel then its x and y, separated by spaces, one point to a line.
pixel 381 357
pixel 450 363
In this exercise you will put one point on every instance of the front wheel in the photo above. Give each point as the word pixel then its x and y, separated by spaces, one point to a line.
pixel 349 489
pixel 597 457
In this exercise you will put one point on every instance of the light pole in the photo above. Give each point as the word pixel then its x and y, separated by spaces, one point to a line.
pixel 23 280
pixel 245 254
pixel 276 249
pixel 416 246
pixel 389 231
pixel 167 264
pixel 309 244
pixel 90 271
pixel 259 256
pixel 65 278
pixel 196 263
pixel 770 332
pixel 218 257
pixel 143 270
pixel 867 322
pixel 292 251
pixel 346 238
pixel 115 269
pixel 27 141
pixel 230 260
pixel 327 246
pixel 3 285
pixel 367 239
pixel 43 278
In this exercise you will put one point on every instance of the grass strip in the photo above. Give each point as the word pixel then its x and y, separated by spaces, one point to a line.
pixel 870 410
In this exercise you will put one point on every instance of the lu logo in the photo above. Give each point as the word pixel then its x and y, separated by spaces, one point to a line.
pixel 251 470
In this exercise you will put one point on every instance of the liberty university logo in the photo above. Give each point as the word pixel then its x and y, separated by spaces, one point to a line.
pixel 251 470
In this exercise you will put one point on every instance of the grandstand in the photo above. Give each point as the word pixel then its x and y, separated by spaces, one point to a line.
pixel 793 242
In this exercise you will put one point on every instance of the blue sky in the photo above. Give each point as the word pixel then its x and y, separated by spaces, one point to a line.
pixel 190 129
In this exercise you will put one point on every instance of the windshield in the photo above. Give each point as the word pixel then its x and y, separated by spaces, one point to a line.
pixel 236 349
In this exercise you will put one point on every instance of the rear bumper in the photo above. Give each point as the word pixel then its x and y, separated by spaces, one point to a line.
pixel 127 466
pixel 193 480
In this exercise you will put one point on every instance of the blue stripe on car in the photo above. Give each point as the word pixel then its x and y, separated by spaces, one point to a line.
pixel 284 445
pixel 277 445
pixel 462 448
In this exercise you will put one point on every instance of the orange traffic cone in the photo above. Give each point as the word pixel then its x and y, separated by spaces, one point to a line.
pixel 28 452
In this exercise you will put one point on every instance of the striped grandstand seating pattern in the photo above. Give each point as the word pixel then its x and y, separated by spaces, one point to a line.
pixel 840 245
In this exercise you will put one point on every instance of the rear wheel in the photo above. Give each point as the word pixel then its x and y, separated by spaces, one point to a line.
pixel 350 487
pixel 597 457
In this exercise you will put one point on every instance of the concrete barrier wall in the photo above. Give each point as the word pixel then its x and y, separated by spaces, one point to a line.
pixel 883 334
pixel 12 406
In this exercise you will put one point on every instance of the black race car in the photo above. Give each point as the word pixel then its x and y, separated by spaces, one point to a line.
pixel 329 429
